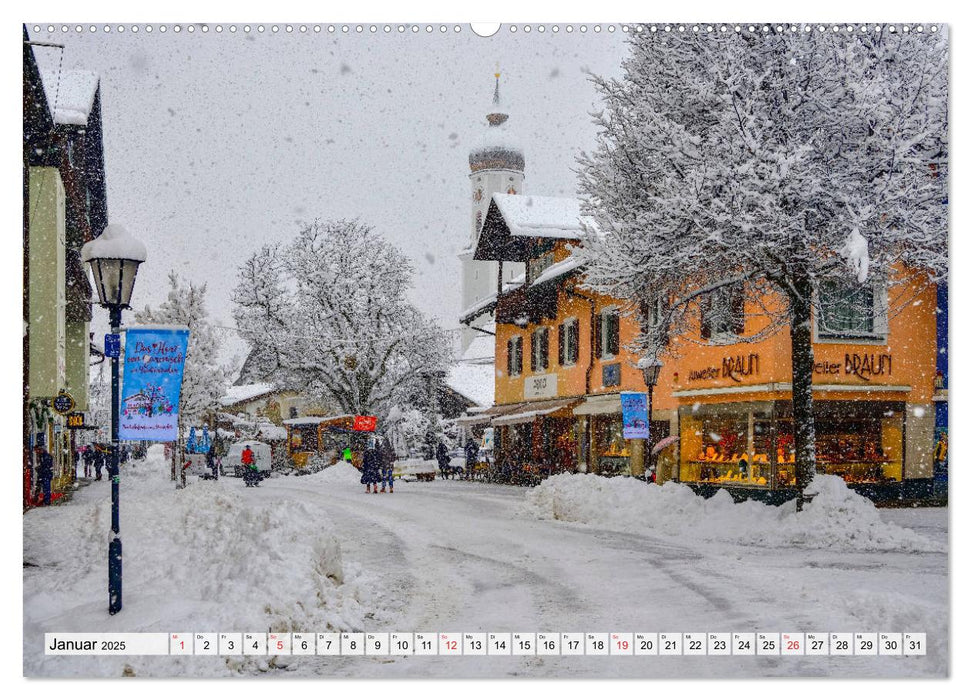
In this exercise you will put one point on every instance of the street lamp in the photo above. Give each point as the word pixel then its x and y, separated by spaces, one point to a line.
pixel 651 369
pixel 114 257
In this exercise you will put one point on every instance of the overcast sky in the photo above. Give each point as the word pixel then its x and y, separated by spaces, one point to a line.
pixel 216 143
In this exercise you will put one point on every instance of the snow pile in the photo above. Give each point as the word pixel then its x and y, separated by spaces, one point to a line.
pixel 202 558
pixel 338 473
pixel 837 518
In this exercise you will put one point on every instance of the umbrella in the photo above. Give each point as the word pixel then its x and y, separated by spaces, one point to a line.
pixel 670 440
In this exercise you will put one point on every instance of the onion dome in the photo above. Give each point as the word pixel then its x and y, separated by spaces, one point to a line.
pixel 497 149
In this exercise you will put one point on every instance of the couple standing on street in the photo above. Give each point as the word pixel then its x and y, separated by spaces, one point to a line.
pixel 378 466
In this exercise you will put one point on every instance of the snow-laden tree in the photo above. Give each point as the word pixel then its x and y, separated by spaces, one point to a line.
pixel 204 379
pixel 327 316
pixel 754 170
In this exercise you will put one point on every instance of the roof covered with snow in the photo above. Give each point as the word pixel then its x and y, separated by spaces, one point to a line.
pixel 476 382
pixel 482 349
pixel 70 94
pixel 540 217
pixel 245 392
pixel 557 270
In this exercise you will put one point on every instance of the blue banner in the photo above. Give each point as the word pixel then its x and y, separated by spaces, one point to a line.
pixel 633 405
pixel 154 360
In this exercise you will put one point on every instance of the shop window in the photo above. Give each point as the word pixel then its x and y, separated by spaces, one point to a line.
pixel 568 344
pixel 850 311
pixel 723 313
pixel 540 350
pixel 514 356
pixel 607 333
pixel 613 451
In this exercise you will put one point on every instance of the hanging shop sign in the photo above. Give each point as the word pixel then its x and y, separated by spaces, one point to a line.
pixel 154 362
pixel 365 424
pixel 75 420
pixel 63 403
pixel 540 386
pixel 633 407
pixel 611 374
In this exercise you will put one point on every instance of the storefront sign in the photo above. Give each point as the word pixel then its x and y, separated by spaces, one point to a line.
pixel 154 360
pixel 365 424
pixel 540 386
pixel 633 406
pixel 864 366
pixel 734 367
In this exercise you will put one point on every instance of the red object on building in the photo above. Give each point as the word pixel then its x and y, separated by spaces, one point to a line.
pixel 365 424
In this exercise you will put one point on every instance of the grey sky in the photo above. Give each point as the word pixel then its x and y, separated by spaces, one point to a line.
pixel 217 143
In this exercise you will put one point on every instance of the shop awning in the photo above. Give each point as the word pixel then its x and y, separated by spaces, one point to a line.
pixel 526 412
pixel 598 404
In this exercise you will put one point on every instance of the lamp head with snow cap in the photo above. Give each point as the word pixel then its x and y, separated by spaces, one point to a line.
pixel 114 257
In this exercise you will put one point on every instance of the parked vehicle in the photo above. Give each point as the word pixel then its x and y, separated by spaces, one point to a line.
pixel 233 461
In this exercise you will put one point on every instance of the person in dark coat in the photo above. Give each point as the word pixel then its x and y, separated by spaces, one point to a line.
pixel 441 454
pixel 371 469
pixel 471 456
pixel 386 452
pixel 211 462
pixel 88 461
pixel 45 472
pixel 99 462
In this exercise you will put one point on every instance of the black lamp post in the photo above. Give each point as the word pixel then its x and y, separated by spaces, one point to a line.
pixel 651 368
pixel 114 257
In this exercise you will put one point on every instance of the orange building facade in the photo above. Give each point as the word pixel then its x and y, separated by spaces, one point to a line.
pixel 562 362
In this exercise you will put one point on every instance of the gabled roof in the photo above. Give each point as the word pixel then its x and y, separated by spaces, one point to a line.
pixel 513 222
pixel 70 94
pixel 476 382
pixel 245 392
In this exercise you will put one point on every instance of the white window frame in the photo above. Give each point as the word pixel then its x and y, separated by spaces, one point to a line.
pixel 605 354
pixel 881 321
pixel 515 371
pixel 534 349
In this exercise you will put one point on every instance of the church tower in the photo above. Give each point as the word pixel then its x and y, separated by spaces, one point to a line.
pixel 496 165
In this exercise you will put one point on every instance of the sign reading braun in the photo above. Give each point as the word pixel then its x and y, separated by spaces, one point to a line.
pixel 154 360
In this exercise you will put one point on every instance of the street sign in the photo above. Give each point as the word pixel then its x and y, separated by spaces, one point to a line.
pixel 63 403
pixel 75 420
pixel 112 345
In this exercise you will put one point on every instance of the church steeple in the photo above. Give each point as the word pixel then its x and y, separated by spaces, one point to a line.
pixel 496 117
pixel 496 150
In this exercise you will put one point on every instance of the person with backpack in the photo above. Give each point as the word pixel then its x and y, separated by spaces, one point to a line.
pixel 441 454
pixel 251 474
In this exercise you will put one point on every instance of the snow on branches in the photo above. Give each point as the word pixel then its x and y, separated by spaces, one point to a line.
pixel 766 158
pixel 327 315
pixel 204 380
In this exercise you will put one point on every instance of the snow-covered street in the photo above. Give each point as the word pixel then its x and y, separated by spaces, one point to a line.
pixel 451 556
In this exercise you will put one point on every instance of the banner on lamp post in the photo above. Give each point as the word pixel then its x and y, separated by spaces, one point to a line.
pixel 633 406
pixel 152 382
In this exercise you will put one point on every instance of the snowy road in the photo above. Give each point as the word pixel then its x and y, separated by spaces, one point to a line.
pixel 315 553
pixel 460 557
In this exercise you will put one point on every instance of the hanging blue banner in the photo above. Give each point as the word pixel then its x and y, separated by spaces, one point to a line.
pixel 154 360
pixel 633 405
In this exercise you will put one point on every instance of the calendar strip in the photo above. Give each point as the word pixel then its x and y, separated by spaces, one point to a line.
pixel 488 644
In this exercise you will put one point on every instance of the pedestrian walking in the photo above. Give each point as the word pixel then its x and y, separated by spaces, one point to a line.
pixel 99 461
pixel 211 462
pixel 45 472
pixel 251 473
pixel 88 460
pixel 441 454
pixel 471 456
pixel 371 469
pixel 387 455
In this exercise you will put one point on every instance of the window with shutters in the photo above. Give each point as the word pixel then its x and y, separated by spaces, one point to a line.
pixel 568 342
pixel 540 350
pixel 514 356
pixel 607 333
pixel 723 313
